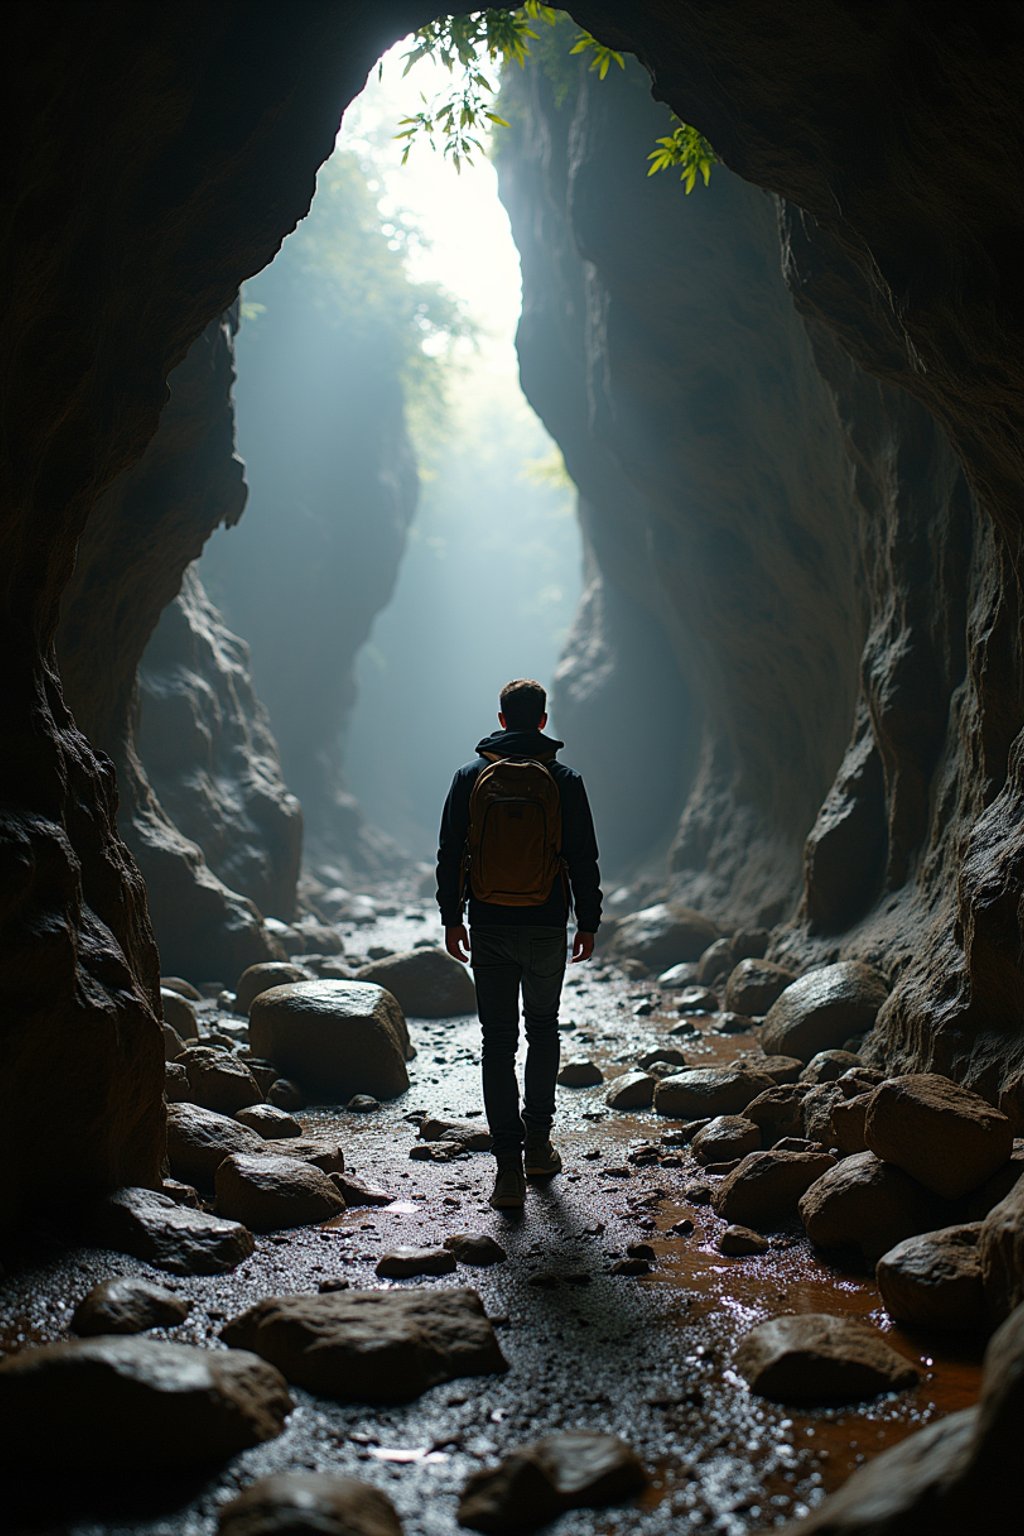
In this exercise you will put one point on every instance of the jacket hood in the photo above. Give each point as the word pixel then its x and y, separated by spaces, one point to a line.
pixel 532 743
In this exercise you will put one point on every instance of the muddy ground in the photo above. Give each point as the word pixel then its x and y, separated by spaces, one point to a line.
pixel 647 1357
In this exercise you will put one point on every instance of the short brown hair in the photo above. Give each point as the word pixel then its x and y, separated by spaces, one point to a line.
pixel 523 703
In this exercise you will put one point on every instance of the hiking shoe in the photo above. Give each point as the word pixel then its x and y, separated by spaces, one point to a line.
pixel 509 1191
pixel 542 1160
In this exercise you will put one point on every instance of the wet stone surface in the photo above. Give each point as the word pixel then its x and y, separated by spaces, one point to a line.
pixel 647 1357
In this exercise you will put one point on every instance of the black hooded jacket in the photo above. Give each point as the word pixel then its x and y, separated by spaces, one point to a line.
pixel 579 844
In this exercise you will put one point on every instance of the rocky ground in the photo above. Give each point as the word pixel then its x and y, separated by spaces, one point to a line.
pixel 615 1306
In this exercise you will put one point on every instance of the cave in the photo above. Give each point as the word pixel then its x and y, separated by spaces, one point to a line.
pixel 789 403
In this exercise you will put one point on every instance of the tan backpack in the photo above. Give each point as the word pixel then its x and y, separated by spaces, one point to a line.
pixel 514 845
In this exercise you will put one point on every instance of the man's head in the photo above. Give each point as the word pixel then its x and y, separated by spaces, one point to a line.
pixel 523 706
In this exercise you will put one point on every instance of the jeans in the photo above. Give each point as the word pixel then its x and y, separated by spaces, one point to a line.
pixel 505 958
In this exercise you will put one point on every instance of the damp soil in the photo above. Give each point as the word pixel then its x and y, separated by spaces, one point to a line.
pixel 647 1357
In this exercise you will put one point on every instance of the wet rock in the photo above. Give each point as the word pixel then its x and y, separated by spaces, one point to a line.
pixel 697 1000
pixel 264 1072
pixel 435 1151
pixel 753 985
pixel 260 978
pixel 818 1359
pixel 478 1249
pixel 816 1111
pixel 319 1152
pixel 173 1044
pixel 664 1055
pixel 174 1237
pixel 738 1242
pixel 268 1121
pixel 781 1069
pixel 182 987
pixel 1001 1253
pixel 715 963
pixel 867 1204
pixel 860 1080
pixel 934 1280
pixel 948 1138
pixel 221 1082
pixel 179 1013
pixel 663 935
pixel 633 1090
pixel 764 1191
pixel 371 1346
pixel 334 1038
pixel 405 1263
pixel 820 1010
pixel 470 1135
pixel 309 1504
pixel 269 1192
pixel 176 1085
pixel 572 1469
pixel 198 1141
pixel 286 1095
pixel 128 1305
pixel 709 1091
pixel 724 1137
pixel 848 1116
pixel 678 976
pixel 427 983
pixel 362 1104
pixel 580 1074
pixel 181 1194
pixel 357 1192
pixel 779 1111
pixel 829 1066
pixel 988 1195
pixel 112 1404
pixel 631 1266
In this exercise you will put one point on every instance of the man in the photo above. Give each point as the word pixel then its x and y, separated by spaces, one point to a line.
pixel 516 836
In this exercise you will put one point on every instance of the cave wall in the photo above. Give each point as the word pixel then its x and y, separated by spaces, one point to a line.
pixel 158 155
pixel 661 347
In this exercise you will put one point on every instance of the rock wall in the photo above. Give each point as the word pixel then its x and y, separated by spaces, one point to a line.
pixel 135 212
pixel 146 529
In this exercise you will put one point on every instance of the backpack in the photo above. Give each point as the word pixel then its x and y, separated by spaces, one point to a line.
pixel 514 844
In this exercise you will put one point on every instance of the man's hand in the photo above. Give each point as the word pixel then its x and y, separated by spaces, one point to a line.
pixel 456 942
pixel 582 946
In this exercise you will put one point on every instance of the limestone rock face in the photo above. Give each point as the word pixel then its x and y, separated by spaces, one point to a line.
pixel 371 1346
pixel 948 1138
pixel 822 1009
pixel 334 1038
pixel 815 1358
pixel 426 983
pixel 112 1403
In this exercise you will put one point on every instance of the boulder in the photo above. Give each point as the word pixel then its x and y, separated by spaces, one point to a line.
pixel 754 985
pixel 678 976
pixel 269 1192
pixel 725 1137
pixel 286 1095
pixel 934 1280
pixel 141 1406
pixel 405 1263
pixel 703 1092
pixel 173 1045
pixel 427 983
pixel 182 987
pixel 778 1110
pixel 860 1080
pixel 816 1111
pixel 848 1117
pixel 988 1195
pixel 823 1009
pixel 309 1504
pixel 371 1346
pixel 268 1121
pixel 1001 1253
pixel 781 1069
pixel 829 1066
pixel 948 1138
pixel 198 1141
pixel 470 1135
pixel 715 963
pixel 220 1082
pixel 738 1242
pixel 697 1000
pixel 126 1304
pixel 260 978
pixel 764 1191
pixel 357 1192
pixel 163 1231
pixel 478 1249
pixel 176 1088
pixel 817 1359
pixel 362 1104
pixel 321 1152
pixel 571 1469
pixel 334 1038
pixel 663 1055
pixel 631 1090
pixel 867 1204
pixel 580 1074
pixel 662 935
pixel 179 1013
